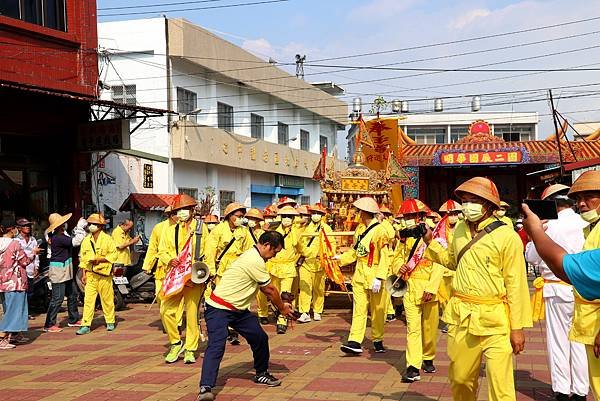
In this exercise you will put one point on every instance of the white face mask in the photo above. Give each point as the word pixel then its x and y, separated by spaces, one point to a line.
pixel 251 223
pixel 93 228
pixel 210 226
pixel 244 221
pixel 410 223
pixel 286 221
pixel 591 216
pixel 452 219
pixel 473 211
pixel 501 213
pixel 237 221
pixel 183 214
pixel 316 217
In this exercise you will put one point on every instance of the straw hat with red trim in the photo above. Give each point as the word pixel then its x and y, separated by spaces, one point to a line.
pixel 409 206
pixel 385 210
pixel 318 208
pixel 303 210
pixel 211 218
pixel 554 189
pixel 588 181
pixel 288 211
pixel 254 213
pixel 450 206
pixel 233 207
pixel 183 201
pixel 56 220
pixel 94 218
pixel 269 211
pixel 366 204
pixel 286 201
pixel 480 186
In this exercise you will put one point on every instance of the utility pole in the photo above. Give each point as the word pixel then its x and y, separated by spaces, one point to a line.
pixel 554 119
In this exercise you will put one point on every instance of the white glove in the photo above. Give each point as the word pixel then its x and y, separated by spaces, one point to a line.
pixel 376 286
pixel 82 223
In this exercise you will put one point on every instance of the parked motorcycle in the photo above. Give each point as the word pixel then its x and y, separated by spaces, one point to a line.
pixel 132 283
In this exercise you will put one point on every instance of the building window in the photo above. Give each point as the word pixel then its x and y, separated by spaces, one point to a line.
pixel 515 132
pixel 257 126
pixel 283 134
pixel 225 198
pixel 305 200
pixel 304 139
pixel 193 192
pixel 225 116
pixel 458 132
pixel 48 13
pixel 124 94
pixel 187 101
pixel 322 143
pixel 427 134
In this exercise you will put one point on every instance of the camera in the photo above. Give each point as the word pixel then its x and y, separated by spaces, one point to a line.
pixel 417 231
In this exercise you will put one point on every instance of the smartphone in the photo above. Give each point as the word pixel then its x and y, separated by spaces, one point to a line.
pixel 545 209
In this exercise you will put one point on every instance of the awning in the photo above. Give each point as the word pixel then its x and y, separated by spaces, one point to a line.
pixel 582 164
pixel 108 104
pixel 147 202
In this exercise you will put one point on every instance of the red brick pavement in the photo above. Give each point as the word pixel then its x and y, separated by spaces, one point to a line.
pixel 128 365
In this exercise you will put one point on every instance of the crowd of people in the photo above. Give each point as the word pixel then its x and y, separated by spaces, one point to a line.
pixel 465 265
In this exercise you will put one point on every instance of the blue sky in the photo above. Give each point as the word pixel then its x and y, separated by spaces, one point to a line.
pixel 330 28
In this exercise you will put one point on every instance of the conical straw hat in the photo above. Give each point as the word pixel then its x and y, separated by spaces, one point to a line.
pixel 482 187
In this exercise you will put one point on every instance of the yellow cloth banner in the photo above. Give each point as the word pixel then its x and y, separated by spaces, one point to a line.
pixel 384 134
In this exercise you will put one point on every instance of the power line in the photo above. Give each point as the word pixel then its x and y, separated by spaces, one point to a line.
pixel 477 38
pixel 254 3
pixel 178 3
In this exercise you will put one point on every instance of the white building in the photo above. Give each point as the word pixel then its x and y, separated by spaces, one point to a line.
pixel 245 128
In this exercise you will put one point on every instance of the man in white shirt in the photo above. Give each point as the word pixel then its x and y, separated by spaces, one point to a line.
pixel 567 360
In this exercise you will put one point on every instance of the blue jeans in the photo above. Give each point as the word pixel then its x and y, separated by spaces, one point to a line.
pixel 59 290
pixel 246 324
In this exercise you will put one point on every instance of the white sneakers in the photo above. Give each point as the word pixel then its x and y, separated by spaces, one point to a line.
pixel 304 318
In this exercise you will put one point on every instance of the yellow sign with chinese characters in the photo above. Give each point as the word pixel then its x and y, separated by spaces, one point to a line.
pixel 355 184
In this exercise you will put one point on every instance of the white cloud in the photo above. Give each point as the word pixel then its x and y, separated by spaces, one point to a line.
pixel 382 9
pixel 259 47
pixel 467 18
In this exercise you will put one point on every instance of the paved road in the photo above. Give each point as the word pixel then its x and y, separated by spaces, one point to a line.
pixel 128 365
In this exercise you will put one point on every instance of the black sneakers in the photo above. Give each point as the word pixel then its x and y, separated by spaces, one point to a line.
pixel 577 397
pixel 428 367
pixel 390 318
pixel 281 328
pixel 233 338
pixel 378 345
pixel 264 320
pixel 352 347
pixel 205 394
pixel 267 379
pixel 411 375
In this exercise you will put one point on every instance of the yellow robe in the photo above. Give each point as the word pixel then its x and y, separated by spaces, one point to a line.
pixel 120 237
pixel 217 241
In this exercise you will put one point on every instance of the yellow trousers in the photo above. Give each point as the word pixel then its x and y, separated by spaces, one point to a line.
pixel 190 299
pixel 159 284
pixel 594 370
pixel 365 301
pixel 282 284
pixel 263 304
pixel 465 352
pixel 422 322
pixel 312 291
pixel 94 286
